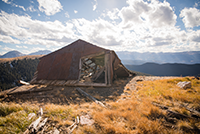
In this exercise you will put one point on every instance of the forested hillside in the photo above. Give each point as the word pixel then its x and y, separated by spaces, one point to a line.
pixel 13 71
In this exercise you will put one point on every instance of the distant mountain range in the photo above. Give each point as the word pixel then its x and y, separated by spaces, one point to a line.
pixel 41 52
pixel 13 54
pixel 167 69
pixel 135 58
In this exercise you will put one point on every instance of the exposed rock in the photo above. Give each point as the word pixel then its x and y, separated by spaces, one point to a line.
pixel 184 84
pixel 86 120
pixel 56 131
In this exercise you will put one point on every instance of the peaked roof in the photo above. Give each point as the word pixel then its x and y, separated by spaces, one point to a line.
pixel 64 63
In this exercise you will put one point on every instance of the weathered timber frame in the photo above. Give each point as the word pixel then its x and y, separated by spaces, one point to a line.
pixel 104 69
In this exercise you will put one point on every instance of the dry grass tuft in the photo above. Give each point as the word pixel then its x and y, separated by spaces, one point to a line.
pixel 13 117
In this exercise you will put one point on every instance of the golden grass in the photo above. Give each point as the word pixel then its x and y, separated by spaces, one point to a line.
pixel 167 90
pixel 134 115
pixel 13 117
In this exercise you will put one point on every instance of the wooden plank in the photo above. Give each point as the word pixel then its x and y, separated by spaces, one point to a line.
pixel 111 67
pixel 106 68
pixel 93 55
pixel 80 66
pixel 32 127
pixel 109 76
pixel 191 110
pixel 96 75
pixel 41 124
pixel 23 82
pixel 171 113
pixel 74 125
pixel 91 84
pixel 90 97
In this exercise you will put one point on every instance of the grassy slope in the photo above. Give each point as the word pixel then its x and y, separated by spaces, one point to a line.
pixel 3 60
pixel 135 114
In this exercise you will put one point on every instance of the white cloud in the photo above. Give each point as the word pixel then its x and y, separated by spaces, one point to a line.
pixel 98 31
pixel 67 14
pixel 31 8
pixel 190 17
pixel 140 26
pixel 8 49
pixel 6 1
pixel 21 46
pixel 20 7
pixel 30 31
pixel 95 5
pixel 194 36
pixel 8 39
pixel 113 15
pixel 75 11
pixel 50 7
pixel 10 2
pixel 151 15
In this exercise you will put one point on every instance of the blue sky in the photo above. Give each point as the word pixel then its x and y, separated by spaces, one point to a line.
pixel 120 25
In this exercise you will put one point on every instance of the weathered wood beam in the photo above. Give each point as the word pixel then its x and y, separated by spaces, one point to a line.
pixel 90 97
pixel 191 110
pixel 172 113
pixel 97 74
pixel 23 82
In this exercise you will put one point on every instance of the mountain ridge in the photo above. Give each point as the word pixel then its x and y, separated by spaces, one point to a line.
pixel 167 69
pixel 13 54
pixel 187 57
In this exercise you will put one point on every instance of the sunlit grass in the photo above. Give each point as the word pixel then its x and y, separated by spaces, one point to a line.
pixel 134 115
pixel 168 90
pixel 13 117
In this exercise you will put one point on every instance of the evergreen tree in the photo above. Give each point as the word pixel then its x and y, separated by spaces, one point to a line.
pixel 12 72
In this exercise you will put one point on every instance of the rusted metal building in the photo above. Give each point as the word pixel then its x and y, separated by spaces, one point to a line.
pixel 80 64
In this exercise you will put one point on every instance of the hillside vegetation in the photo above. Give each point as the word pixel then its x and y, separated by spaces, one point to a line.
pixel 152 107
pixel 14 70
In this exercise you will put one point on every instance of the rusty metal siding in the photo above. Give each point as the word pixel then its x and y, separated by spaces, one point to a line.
pixel 55 67
pixel 63 64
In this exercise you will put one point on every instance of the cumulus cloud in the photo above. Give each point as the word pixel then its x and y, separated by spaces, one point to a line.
pixel 190 17
pixel 113 15
pixel 8 39
pixel 153 14
pixel 50 7
pixel 30 31
pixel 139 26
pixel 98 31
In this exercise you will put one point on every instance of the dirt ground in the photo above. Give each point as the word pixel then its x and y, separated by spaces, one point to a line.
pixel 69 95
